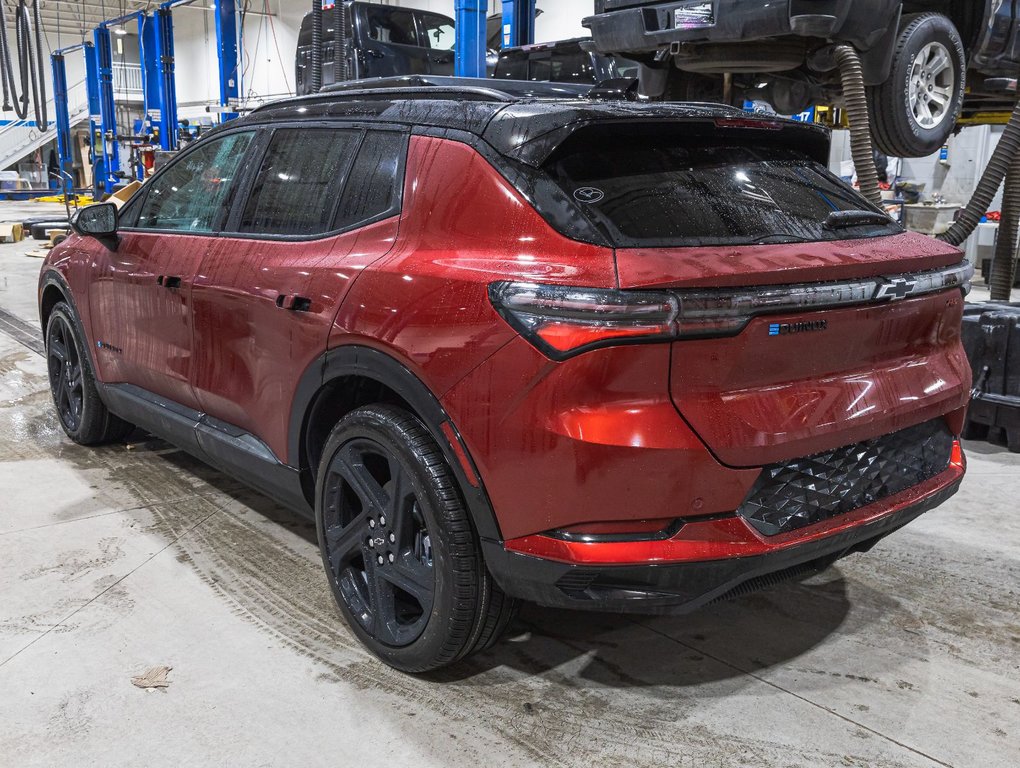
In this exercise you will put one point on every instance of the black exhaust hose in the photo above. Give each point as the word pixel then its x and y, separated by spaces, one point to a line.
pixel 42 117
pixel 21 29
pixel 316 85
pixel 5 59
pixel 340 42
pixel 852 77
pixel 18 104
pixel 32 74
pixel 989 183
pixel 1004 261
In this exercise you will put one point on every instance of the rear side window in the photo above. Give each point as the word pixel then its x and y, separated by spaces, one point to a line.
pixel 389 26
pixel 572 66
pixel 192 193
pixel 512 66
pixel 373 186
pixel 437 31
pixel 296 189
pixel 672 191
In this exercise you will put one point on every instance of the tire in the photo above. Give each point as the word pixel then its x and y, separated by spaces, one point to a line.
pixel 80 412
pixel 40 229
pixel 400 552
pixel 915 110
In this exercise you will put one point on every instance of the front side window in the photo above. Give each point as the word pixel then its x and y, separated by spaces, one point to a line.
pixel 388 26
pixel 295 192
pixel 191 195
pixel 438 31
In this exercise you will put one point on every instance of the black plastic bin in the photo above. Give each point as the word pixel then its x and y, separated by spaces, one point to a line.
pixel 991 336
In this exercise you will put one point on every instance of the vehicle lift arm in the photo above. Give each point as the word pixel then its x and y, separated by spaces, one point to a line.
pixel 155 34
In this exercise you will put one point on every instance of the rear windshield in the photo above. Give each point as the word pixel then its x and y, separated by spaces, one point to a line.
pixel 705 191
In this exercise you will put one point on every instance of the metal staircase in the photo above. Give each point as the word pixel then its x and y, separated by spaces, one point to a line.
pixel 20 138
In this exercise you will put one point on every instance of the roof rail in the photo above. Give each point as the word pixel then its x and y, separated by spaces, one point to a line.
pixel 442 87
pixel 413 85
pixel 419 86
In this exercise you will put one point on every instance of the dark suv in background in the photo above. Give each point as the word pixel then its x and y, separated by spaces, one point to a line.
pixel 383 41
pixel 924 63
pixel 563 61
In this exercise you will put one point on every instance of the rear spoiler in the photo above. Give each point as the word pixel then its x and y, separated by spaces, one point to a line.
pixel 535 150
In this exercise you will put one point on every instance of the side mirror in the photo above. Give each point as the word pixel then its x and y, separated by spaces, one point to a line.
pixel 96 220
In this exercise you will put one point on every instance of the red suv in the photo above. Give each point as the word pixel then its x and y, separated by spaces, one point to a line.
pixel 511 342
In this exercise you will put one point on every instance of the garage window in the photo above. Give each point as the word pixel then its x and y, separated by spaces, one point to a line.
pixel 296 190
pixel 191 195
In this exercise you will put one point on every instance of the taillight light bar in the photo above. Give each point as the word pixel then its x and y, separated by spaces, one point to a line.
pixel 565 321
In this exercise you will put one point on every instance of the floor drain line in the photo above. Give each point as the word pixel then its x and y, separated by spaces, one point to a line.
pixel 24 333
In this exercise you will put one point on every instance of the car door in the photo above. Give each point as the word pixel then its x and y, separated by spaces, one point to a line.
pixel 140 297
pixel 436 34
pixel 388 41
pixel 322 206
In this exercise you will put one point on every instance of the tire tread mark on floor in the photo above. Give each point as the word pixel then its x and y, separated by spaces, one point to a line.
pixel 103 592
pixel 24 333
pixel 805 699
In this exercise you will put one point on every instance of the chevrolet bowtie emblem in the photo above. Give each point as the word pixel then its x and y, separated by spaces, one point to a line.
pixel 895 288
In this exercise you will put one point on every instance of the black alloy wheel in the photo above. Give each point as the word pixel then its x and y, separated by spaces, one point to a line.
pixel 398 545
pixel 378 543
pixel 66 373
pixel 82 413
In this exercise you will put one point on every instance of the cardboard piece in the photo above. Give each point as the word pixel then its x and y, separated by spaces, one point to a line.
pixel 121 196
pixel 11 233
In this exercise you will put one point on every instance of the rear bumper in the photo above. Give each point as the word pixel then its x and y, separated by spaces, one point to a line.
pixel 703 562
pixel 653 25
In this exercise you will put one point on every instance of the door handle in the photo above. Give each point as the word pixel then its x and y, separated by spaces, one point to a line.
pixel 169 281
pixel 294 303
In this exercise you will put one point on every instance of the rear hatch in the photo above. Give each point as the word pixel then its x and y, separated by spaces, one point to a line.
pixel 807 321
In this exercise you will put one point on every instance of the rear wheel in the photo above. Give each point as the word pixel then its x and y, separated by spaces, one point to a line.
pixel 914 111
pixel 398 546
pixel 82 415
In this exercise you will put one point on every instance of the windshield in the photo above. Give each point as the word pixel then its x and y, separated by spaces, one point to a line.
pixel 705 191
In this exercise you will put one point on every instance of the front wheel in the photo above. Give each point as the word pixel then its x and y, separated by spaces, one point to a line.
pixel 83 416
pixel 915 110
pixel 398 546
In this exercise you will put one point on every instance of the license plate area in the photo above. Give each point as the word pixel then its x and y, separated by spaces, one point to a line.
pixel 694 16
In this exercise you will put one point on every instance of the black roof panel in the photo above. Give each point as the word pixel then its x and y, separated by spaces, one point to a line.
pixel 520 119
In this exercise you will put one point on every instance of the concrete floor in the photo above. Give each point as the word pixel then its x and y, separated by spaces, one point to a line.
pixel 126 557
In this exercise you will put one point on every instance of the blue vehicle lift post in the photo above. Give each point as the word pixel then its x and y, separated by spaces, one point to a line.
pixel 226 53
pixel 62 119
pixel 107 177
pixel 469 56
pixel 518 22
pixel 95 120
pixel 153 117
pixel 166 88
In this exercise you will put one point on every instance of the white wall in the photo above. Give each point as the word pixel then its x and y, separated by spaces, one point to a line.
pixel 969 152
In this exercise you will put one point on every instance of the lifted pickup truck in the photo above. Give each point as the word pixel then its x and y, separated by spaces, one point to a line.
pixel 925 63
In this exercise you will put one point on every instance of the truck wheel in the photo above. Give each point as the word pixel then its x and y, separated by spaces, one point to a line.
pixel 914 111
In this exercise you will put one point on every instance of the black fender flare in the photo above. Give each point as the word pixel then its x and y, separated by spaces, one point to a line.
pixel 370 363
pixel 52 278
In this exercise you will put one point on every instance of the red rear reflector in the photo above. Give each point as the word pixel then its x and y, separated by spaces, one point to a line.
pixel 956 458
